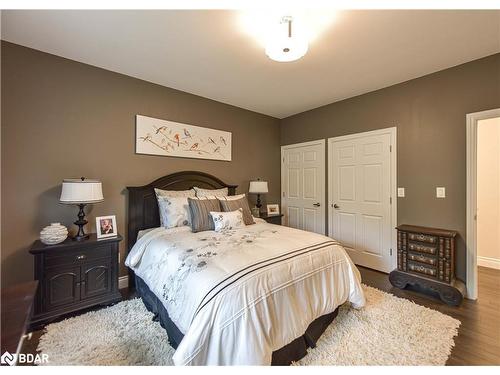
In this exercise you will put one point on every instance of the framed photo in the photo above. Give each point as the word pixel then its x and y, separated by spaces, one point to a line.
pixel 106 226
pixel 273 209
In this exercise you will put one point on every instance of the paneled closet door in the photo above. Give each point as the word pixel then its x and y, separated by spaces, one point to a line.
pixel 360 197
pixel 303 186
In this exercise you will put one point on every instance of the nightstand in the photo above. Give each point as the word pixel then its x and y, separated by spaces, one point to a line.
pixel 271 219
pixel 74 275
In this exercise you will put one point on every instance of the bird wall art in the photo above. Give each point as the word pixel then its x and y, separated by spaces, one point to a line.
pixel 167 138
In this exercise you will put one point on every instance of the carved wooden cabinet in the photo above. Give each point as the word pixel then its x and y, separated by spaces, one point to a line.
pixel 74 275
pixel 426 257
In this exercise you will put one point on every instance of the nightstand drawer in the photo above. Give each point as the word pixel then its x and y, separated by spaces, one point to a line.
pixel 423 259
pixel 422 248
pixel 77 256
pixel 422 238
pixel 422 269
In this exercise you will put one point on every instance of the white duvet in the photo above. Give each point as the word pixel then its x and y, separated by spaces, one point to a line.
pixel 239 295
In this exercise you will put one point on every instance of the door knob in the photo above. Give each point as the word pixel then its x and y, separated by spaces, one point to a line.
pixel 336 205
pixel 316 204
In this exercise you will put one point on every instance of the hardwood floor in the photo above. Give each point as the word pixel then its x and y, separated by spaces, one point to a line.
pixel 478 340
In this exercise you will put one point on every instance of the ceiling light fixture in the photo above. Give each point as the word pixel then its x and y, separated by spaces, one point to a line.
pixel 286 46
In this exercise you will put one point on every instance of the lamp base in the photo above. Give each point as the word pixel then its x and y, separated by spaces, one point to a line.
pixel 258 205
pixel 81 236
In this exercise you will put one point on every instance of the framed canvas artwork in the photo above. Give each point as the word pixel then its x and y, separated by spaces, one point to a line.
pixel 167 138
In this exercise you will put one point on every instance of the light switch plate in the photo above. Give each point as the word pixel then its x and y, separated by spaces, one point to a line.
pixel 440 192
pixel 401 192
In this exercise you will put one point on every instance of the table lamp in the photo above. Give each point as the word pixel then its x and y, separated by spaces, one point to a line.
pixel 80 192
pixel 258 187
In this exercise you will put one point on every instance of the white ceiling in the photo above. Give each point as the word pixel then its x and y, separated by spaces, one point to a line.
pixel 207 53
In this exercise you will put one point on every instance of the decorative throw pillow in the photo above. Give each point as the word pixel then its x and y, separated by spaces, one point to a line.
pixel 231 204
pixel 200 209
pixel 227 220
pixel 234 197
pixel 174 211
pixel 210 193
pixel 175 193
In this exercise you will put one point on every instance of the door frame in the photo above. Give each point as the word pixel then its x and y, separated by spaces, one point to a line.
pixel 323 202
pixel 472 120
pixel 393 168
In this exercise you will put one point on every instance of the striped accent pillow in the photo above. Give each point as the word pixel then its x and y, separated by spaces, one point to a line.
pixel 229 204
pixel 200 208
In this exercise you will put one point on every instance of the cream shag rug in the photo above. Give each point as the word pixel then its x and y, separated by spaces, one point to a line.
pixel 387 331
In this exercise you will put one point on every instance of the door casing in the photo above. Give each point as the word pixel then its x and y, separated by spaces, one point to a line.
pixel 472 120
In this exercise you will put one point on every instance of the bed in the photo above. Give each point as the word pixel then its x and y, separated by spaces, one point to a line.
pixel 258 295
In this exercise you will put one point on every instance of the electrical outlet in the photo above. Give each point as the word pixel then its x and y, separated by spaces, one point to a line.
pixel 440 192
pixel 401 192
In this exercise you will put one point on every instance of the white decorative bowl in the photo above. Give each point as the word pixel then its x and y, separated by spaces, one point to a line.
pixel 53 234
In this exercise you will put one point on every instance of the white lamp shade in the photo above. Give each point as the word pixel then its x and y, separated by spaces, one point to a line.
pixel 258 187
pixel 76 191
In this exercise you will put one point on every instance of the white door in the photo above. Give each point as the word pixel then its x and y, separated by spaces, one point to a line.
pixel 303 186
pixel 361 179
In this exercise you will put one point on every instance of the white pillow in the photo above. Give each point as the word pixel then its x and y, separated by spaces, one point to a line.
pixel 228 220
pixel 175 193
pixel 174 211
pixel 201 193
pixel 231 197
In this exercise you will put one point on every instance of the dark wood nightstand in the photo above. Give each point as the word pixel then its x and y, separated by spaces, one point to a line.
pixel 271 219
pixel 74 275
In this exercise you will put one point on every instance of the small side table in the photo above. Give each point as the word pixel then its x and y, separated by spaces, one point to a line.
pixel 271 219
pixel 75 275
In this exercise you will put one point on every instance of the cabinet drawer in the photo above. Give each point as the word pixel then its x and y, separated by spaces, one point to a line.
pixel 423 258
pixel 423 238
pixel 422 248
pixel 422 269
pixel 77 256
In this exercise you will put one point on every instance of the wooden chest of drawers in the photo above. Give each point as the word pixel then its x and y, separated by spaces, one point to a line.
pixel 426 257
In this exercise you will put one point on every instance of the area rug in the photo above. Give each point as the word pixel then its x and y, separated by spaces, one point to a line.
pixel 387 331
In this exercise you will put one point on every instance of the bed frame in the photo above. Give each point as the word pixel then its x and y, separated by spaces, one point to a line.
pixel 143 212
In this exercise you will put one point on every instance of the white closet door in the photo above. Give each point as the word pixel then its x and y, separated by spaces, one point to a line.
pixel 303 186
pixel 360 197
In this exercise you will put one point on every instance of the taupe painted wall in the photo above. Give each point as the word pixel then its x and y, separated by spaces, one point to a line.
pixel 62 119
pixel 429 113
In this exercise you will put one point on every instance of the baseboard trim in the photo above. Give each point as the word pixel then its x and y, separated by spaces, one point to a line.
pixel 123 282
pixel 488 262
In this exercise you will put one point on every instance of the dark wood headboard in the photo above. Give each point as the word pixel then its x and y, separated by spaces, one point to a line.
pixel 143 210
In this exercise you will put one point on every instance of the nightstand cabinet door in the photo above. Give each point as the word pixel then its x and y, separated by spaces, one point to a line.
pixel 61 287
pixel 96 278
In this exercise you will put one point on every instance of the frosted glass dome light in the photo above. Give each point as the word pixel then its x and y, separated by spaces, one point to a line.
pixel 285 46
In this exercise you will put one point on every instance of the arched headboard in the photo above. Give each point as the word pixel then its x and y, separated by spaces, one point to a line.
pixel 143 210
